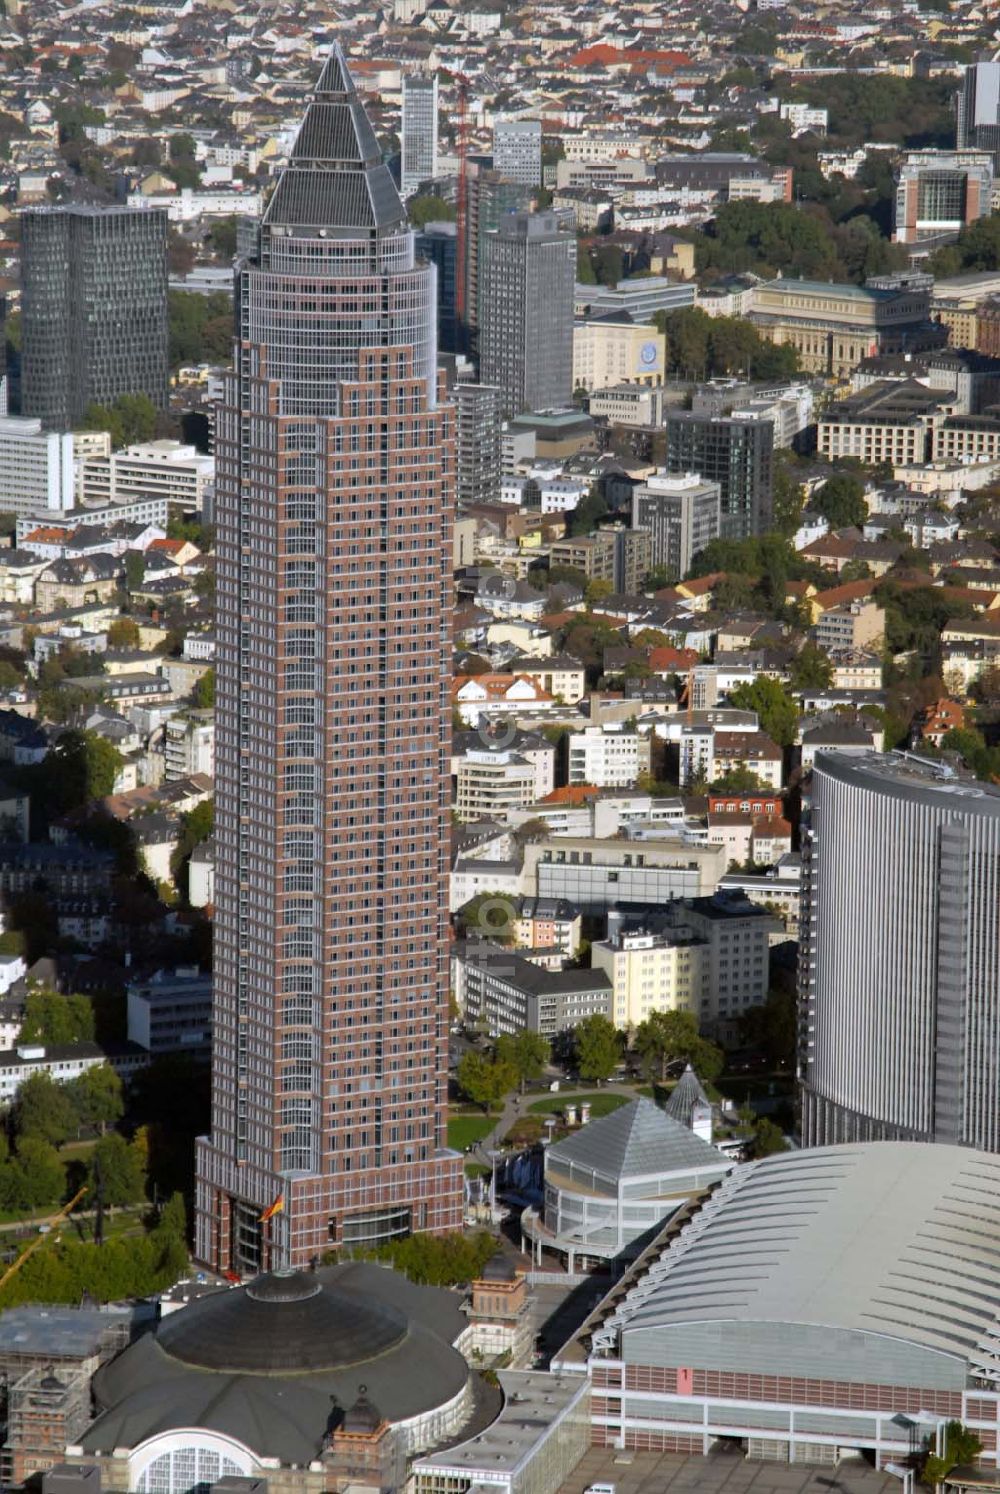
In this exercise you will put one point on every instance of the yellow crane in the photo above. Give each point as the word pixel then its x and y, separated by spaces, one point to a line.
pixel 58 1219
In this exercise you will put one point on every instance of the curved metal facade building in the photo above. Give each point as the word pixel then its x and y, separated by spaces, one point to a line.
pixel 900 961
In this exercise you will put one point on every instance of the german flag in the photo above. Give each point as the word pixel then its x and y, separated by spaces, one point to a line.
pixel 275 1208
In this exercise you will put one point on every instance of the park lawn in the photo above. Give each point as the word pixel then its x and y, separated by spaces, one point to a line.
pixel 463 1130
pixel 600 1104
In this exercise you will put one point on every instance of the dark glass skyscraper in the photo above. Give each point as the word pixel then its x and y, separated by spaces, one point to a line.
pixel 526 284
pixel 335 476
pixel 93 309
pixel 738 455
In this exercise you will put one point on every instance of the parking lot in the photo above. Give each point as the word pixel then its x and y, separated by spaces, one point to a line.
pixel 721 1473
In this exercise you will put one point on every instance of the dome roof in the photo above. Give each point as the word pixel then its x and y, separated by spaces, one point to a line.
pixel 284 1322
pixel 362 1419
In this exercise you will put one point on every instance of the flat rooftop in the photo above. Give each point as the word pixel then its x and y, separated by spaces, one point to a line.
pixel 720 1473
pixel 533 1401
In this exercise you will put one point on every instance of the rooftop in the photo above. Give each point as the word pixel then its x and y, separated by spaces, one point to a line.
pixel 636 1140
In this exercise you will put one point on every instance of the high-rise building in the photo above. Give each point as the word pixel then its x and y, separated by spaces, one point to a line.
pixel 734 452
pixel 419 131
pixel 979 110
pixel 900 961
pixel 93 309
pixel 438 243
pixel 681 514
pixel 526 312
pixel 36 469
pixel 517 150
pixel 939 192
pixel 489 198
pixel 477 426
pixel 335 474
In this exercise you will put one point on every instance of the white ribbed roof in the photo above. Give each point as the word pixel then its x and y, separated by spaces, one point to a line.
pixel 891 1238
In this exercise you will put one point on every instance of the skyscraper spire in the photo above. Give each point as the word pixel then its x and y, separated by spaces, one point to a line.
pixel 334 477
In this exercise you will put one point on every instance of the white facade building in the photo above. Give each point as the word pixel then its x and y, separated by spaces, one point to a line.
pixel 36 468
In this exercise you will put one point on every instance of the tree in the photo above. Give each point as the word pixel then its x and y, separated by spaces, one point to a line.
pixel 773 1028
pixel 124 631
pixel 489 915
pixel 776 710
pixel 767 1139
pixel 960 1446
pixel 527 1053
pixel 116 1173
pixel 204 691
pixel 97 1097
pixel 135 570
pixel 597 590
pixel 739 780
pixel 597 1048
pixel 429 208
pixel 44 1110
pixel 36 1176
pixel 81 766
pixel 811 668
pixel 222 238
pixel 50 1017
pixel 484 1080
pixel 668 1036
pixel 592 508
pixel 841 501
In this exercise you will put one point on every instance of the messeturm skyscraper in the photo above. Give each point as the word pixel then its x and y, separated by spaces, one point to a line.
pixel 335 474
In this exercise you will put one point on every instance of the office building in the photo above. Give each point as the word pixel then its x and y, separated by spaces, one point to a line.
pixel 733 452
pixel 613 553
pixel 517 150
pixel 608 756
pixel 93 310
pixel 939 192
pixel 611 349
pixel 438 243
pixel 813 1306
pixel 36 469
pixel 640 298
pixel 526 313
pixel 979 110
pixel 681 513
pixel 489 198
pixel 499 991
pixel 181 474
pixel 477 442
pixel 419 131
pixel 334 577
pixel 490 782
pixel 898 1037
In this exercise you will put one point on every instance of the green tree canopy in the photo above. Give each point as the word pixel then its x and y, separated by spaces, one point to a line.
pixel 667 1036
pixel 597 1048
pixel 841 501
pixel 97 1097
pixel 811 668
pixel 44 1110
pixel 116 1172
pixel 527 1053
pixel 50 1017
pixel 429 208
pixel 776 710
pixel 204 690
pixel 483 1079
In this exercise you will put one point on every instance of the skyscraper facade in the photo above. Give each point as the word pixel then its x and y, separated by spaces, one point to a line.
pixel 526 312
pixel 900 959
pixel 979 110
pixel 477 409
pixel 517 150
pixel 419 131
pixel 489 198
pixel 736 453
pixel 681 514
pixel 335 476
pixel 438 243
pixel 93 309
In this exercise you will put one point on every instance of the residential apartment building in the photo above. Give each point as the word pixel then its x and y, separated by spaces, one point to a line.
pixel 517 150
pixel 526 312
pixel 652 973
pixel 735 453
pixel 419 131
pixel 153 470
pixel 36 469
pixel 189 745
pixel 897 1029
pixel 609 350
pixel 681 513
pixel 477 442
pixel 939 192
pixel 608 756
pixel 620 556
pixel 491 782
pixel 93 309
pixel 329 1063
pixel 833 327
pixel 854 626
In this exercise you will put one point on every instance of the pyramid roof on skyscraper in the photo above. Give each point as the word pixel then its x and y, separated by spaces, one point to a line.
pixel 686 1094
pixel 336 178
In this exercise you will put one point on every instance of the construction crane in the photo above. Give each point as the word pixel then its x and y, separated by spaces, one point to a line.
pixel 59 1218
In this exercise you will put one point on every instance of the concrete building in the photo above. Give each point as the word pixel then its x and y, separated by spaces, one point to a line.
pixel 36 469
pixel 649 973
pixel 526 312
pixel 855 626
pixel 61 1061
pixel 489 783
pixel 814 1305
pixel 628 404
pixel 517 150
pixel 499 991
pixel 832 327
pixel 939 192
pixel 477 442
pixel 438 243
pixel 171 1013
pixel 979 110
pixel 93 309
pixel 736 454
pixel 595 873
pixel 152 470
pixel 608 756
pixel 682 513
pixel 898 1034
pixel 419 131
pixel 610 349
pixel 189 745
pixel 612 1183
pixel 640 298
pixel 300 1020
